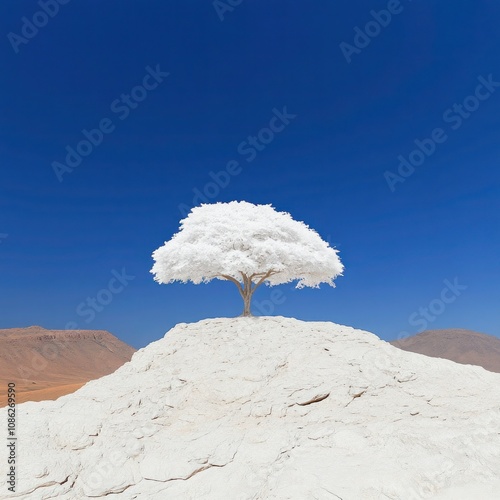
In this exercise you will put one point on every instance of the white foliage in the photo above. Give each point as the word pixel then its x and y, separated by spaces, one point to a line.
pixel 240 237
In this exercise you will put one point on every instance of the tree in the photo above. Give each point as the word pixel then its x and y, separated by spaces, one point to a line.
pixel 248 245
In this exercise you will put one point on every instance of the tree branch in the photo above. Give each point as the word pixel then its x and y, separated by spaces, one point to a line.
pixel 264 277
pixel 247 281
pixel 256 274
pixel 235 281
pixel 262 280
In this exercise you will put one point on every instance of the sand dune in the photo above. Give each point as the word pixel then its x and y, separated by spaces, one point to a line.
pixel 46 364
pixel 462 346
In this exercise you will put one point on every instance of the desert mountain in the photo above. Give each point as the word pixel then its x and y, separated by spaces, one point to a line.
pixel 45 364
pixel 462 346
pixel 267 408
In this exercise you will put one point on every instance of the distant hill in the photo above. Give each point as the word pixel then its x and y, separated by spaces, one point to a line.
pixel 462 346
pixel 46 364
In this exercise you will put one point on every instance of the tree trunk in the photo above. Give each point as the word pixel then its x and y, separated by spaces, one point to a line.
pixel 247 298
pixel 246 294
pixel 247 290
pixel 246 306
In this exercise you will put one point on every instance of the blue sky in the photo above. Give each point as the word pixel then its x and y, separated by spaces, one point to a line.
pixel 421 250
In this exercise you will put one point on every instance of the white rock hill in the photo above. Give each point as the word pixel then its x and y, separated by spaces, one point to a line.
pixel 267 408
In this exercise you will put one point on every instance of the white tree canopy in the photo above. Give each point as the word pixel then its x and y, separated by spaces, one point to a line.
pixel 248 244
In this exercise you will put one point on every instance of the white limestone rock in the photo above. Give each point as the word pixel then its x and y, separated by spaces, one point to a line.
pixel 267 408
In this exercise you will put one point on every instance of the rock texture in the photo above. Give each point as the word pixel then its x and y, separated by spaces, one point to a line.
pixel 46 364
pixel 462 346
pixel 267 408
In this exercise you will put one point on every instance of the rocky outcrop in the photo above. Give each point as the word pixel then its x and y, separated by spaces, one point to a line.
pixel 267 408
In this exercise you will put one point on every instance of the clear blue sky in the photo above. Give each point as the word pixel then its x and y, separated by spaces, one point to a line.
pixel 62 237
